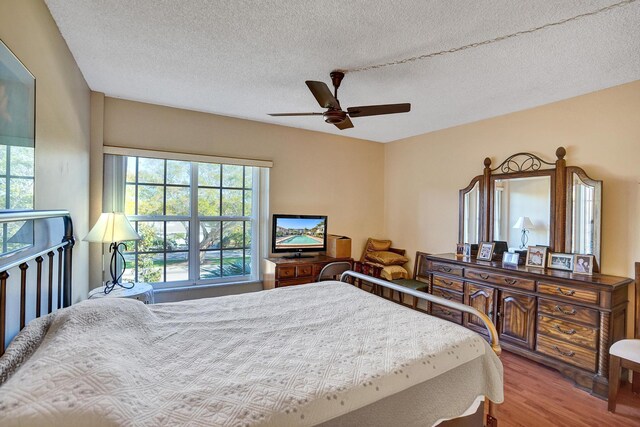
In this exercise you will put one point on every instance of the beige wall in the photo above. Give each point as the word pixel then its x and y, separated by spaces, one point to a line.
pixel 601 132
pixel 62 119
pixel 313 173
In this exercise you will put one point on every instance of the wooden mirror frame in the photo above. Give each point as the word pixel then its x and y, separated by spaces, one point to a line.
pixel 522 165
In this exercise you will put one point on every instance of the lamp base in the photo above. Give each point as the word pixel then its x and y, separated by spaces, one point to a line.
pixel 114 248
pixel 109 286
pixel 524 239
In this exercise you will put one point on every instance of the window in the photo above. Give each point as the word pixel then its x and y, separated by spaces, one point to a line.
pixel 198 221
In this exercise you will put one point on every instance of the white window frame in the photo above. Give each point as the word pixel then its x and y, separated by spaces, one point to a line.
pixel 113 198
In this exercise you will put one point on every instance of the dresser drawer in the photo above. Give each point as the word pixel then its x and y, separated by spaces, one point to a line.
pixel 446 312
pixel 444 282
pixel 443 267
pixel 573 354
pixel 567 311
pixel 570 332
pixel 500 279
pixel 568 292
pixel 286 272
pixel 292 282
pixel 304 270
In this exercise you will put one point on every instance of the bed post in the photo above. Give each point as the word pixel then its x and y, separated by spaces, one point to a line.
pixel 68 264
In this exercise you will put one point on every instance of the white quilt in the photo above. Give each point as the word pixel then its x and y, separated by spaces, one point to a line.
pixel 292 356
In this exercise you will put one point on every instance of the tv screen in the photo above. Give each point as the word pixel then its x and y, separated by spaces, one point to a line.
pixel 299 233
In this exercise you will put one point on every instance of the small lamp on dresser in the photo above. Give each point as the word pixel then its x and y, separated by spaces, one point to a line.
pixel 113 228
pixel 524 224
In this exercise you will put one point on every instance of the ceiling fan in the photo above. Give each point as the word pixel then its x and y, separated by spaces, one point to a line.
pixel 334 114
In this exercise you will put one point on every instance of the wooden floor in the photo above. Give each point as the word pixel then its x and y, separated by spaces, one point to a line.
pixel 539 396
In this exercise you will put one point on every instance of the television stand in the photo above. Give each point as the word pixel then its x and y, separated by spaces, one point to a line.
pixel 297 256
pixel 278 272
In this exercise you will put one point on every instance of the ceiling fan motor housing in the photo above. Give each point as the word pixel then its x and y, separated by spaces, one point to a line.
pixel 334 116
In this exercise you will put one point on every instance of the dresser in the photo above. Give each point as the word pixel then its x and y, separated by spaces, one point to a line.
pixel 563 320
pixel 279 272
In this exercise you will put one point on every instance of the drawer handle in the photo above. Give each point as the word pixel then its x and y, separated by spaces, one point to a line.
pixel 568 313
pixel 569 293
pixel 484 276
pixel 447 283
pixel 568 332
pixel 447 297
pixel 510 281
pixel 447 312
pixel 568 354
pixel 445 269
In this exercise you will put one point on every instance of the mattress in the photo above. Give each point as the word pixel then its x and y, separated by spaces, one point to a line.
pixel 302 355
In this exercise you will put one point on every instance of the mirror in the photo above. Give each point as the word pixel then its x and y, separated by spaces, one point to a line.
pixel 585 197
pixel 517 198
pixel 470 215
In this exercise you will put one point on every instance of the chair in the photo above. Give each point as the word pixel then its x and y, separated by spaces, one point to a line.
pixel 333 270
pixel 625 354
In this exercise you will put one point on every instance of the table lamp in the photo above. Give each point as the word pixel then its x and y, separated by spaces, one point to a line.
pixel 525 224
pixel 113 228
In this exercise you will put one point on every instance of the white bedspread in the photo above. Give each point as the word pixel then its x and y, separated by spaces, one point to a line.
pixel 291 356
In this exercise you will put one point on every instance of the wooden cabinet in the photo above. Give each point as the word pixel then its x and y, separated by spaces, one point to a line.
pixel 517 319
pixel 279 272
pixel 563 320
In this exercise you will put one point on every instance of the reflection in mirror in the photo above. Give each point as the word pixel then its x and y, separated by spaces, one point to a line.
pixel 471 212
pixel 585 236
pixel 522 197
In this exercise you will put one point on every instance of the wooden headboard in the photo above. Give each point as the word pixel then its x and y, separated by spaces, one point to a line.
pixel 35 280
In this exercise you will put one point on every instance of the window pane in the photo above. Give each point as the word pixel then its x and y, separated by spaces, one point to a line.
pixel 150 199
pixel 3 194
pixel 248 202
pixel 232 263
pixel 178 172
pixel 130 271
pixel 247 261
pixel 208 202
pixel 3 159
pixel 150 170
pixel 247 234
pixel 22 159
pixel 131 169
pixel 232 234
pixel 130 199
pixel 209 174
pixel 232 176
pixel 209 264
pixel 231 202
pixel 21 193
pixel 177 236
pixel 177 267
pixel 210 234
pixel 152 236
pixel 248 176
pixel 151 268
pixel 178 201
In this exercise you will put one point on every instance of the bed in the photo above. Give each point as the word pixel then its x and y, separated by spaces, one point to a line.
pixel 324 354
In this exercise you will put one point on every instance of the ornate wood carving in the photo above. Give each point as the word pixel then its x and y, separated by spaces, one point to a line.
pixel 482 298
pixel 521 162
pixel 603 358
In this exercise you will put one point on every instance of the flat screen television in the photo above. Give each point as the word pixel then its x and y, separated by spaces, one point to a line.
pixel 299 233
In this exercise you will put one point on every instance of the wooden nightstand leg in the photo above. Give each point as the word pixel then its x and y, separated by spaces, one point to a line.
pixel 614 381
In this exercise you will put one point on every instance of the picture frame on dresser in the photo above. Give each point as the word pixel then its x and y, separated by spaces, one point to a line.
pixel 536 256
pixel 485 251
pixel 559 261
pixel 583 264
pixel 510 259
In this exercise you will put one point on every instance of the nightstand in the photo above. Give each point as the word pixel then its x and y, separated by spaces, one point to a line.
pixel 140 291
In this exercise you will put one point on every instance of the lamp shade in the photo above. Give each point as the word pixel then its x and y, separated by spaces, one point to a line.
pixel 112 227
pixel 524 223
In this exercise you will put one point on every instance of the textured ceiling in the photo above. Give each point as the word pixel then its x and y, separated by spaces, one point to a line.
pixel 249 58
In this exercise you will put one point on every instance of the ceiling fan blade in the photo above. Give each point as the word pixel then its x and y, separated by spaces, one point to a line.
pixel 378 110
pixel 294 114
pixel 346 124
pixel 322 94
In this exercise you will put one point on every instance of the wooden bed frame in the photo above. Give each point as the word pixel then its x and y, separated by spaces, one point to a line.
pixel 43 246
pixel 489 407
pixel 48 245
